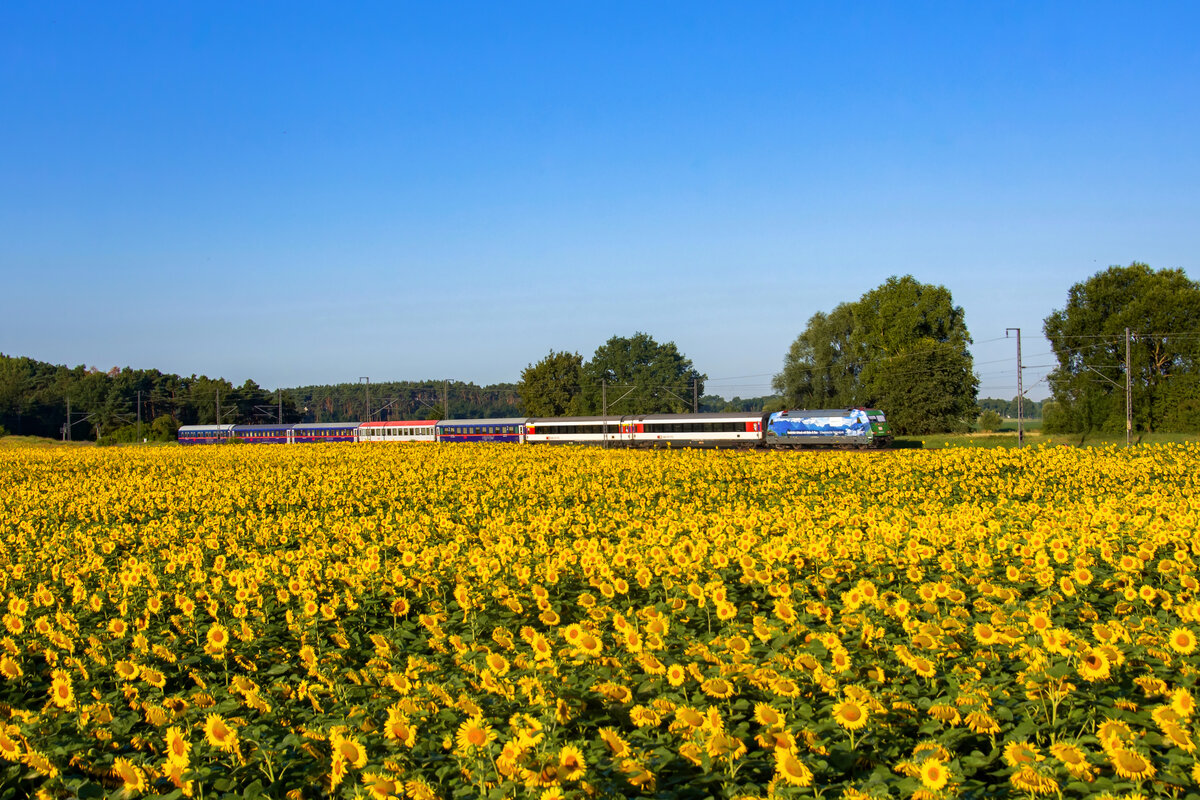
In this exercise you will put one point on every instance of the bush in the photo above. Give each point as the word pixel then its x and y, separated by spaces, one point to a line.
pixel 989 421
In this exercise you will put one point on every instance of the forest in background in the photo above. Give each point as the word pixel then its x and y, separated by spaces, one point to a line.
pixel 104 404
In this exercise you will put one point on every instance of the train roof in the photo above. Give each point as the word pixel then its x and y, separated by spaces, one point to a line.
pixel 819 412
pixel 723 415
pixel 396 423
pixel 613 418
pixel 213 426
pixel 320 426
pixel 486 421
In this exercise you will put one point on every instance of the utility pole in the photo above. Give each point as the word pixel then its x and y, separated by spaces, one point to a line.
pixel 445 399
pixel 604 407
pixel 1128 392
pixel 1020 390
pixel 68 418
pixel 279 396
pixel 139 435
pixel 367 381
pixel 695 397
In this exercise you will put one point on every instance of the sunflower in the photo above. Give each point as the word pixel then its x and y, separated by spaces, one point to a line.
pixel 219 733
pixel 617 746
pixel 934 774
pixel 133 779
pixel 216 640
pixel 1178 736
pixel 349 748
pixel 1093 666
pixel 1112 733
pixel 61 691
pixel 785 687
pixel 982 722
pixel 924 667
pixel 850 714
pixel 1182 640
pixel 177 746
pixel 1182 703
pixel 985 634
pixel 644 717
pixel 9 668
pixel 473 734
pixel 1019 753
pixel 542 650
pixel 1130 764
pixel 1031 780
pixel 400 729
pixel 791 769
pixel 571 766
pixel 717 687
pixel 382 787
pixel 10 748
pixel 768 715
pixel 1074 759
pixel 689 716
pixel 589 644
pixel 676 675
pixel 126 670
pixel 497 663
pixel 154 677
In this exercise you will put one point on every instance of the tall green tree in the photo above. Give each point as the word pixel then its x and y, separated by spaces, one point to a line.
pixel 821 367
pixel 1161 309
pixel 901 347
pixel 642 376
pixel 553 386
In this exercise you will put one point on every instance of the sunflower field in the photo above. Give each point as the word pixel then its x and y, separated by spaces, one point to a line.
pixel 440 621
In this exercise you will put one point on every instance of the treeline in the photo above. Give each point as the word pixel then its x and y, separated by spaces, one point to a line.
pixel 36 397
pixel 399 400
pixel 901 347
pixel 1030 409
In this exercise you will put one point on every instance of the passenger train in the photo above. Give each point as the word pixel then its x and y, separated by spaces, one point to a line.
pixel 841 427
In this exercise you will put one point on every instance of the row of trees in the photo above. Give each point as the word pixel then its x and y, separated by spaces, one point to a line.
pixel 1132 322
pixel 1007 409
pixel 901 347
pixel 35 398
pixel 626 375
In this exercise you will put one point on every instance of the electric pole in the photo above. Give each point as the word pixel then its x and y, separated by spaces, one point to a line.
pixel 604 407
pixel 1020 391
pixel 367 382
pixel 1128 393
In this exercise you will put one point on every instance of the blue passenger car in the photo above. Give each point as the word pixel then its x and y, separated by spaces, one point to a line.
pixel 262 434
pixel 204 434
pixel 323 432
pixel 510 429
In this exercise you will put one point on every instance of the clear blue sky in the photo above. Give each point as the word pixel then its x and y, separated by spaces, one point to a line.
pixel 307 193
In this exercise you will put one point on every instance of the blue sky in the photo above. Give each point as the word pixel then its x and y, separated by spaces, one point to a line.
pixel 307 193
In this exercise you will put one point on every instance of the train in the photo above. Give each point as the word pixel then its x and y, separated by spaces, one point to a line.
pixel 780 430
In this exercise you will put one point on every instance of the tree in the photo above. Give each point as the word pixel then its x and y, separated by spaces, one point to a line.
pixel 552 387
pixel 901 347
pixel 1161 309
pixel 989 421
pixel 821 368
pixel 643 377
